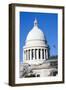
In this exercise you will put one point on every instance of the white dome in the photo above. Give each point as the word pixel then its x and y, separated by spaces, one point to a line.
pixel 35 33
pixel 35 43
pixel 35 37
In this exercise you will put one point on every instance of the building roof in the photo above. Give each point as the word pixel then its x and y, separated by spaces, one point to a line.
pixel 36 33
pixel 36 37
pixel 53 57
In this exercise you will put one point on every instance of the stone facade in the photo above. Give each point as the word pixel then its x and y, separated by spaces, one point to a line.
pixel 47 68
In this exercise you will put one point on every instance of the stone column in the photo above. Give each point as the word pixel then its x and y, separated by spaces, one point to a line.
pixel 34 54
pixel 44 54
pixel 23 55
pixel 37 53
pixel 48 53
pixel 26 54
pixel 30 54
pixel 41 53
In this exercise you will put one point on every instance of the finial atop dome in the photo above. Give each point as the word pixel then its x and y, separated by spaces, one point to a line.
pixel 35 22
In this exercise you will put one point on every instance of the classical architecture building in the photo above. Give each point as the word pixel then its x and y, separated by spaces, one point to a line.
pixel 36 55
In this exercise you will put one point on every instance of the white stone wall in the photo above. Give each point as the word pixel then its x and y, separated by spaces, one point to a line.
pixel 42 72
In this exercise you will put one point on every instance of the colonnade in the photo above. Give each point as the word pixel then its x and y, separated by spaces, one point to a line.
pixel 35 54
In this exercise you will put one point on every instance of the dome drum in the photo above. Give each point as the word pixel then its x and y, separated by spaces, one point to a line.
pixel 36 43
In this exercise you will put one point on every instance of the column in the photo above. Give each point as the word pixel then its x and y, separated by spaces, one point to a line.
pixel 47 53
pixel 26 54
pixel 44 54
pixel 30 54
pixel 37 53
pixel 41 53
pixel 34 54
pixel 23 55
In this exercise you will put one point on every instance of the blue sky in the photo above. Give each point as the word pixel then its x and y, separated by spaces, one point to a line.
pixel 47 22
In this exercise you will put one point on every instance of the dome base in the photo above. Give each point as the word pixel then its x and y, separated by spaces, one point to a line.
pixel 35 62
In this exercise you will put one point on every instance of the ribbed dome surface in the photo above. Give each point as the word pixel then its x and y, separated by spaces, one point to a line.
pixel 35 33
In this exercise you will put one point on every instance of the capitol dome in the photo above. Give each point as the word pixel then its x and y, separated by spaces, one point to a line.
pixel 35 50
pixel 35 37
pixel 35 33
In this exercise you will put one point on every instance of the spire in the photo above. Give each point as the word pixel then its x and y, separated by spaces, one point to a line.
pixel 35 22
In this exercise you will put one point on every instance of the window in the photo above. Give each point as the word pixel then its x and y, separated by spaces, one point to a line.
pixel 38 75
